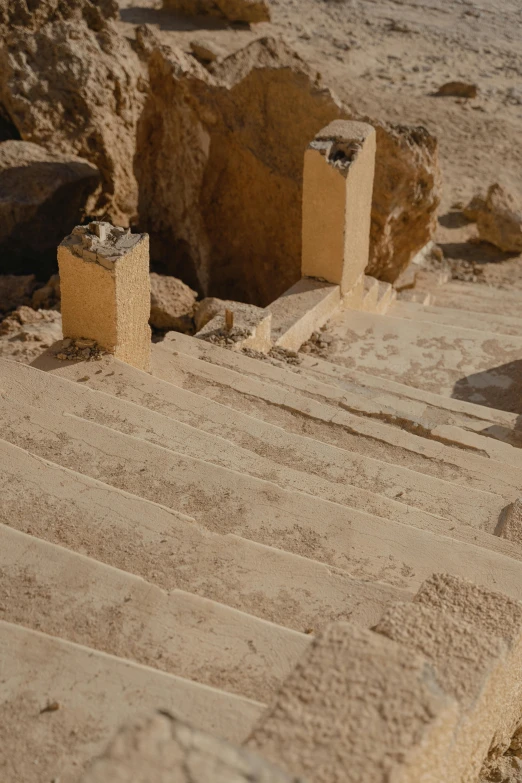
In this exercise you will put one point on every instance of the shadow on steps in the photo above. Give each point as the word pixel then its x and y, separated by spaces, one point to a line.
pixel 500 388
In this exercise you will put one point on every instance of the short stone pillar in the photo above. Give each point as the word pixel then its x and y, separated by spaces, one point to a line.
pixel 105 290
pixel 339 169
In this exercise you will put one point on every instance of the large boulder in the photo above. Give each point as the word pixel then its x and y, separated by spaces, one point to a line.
pixel 406 197
pixel 248 11
pixel 499 219
pixel 172 304
pixel 42 197
pixel 219 163
pixel 70 82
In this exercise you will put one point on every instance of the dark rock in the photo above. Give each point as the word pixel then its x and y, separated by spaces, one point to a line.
pixel 42 197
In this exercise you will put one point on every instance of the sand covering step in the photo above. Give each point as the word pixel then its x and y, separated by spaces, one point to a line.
pixel 422 417
pixel 289 413
pixel 437 357
pixel 172 551
pixel 118 613
pixel 325 470
pixel 461 318
pixel 65 700
pixel 446 455
pixel 226 501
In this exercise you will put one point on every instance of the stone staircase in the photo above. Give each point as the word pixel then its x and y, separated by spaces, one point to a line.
pixel 176 540
pixel 247 541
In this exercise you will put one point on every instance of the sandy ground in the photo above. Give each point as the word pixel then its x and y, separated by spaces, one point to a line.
pixel 386 58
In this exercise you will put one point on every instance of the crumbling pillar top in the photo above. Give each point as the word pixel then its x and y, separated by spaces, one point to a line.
pixel 101 242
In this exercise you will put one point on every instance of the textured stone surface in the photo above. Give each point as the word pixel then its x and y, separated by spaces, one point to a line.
pixel 162 749
pixel 233 229
pixel 406 197
pixel 172 303
pixel 356 708
pixel 42 197
pixel 493 715
pixel 89 108
pixel 32 13
pixel 499 219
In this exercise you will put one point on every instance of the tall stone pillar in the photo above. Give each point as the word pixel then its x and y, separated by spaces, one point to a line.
pixel 105 290
pixel 339 169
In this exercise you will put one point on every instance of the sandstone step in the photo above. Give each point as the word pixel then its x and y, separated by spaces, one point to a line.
pixel 462 319
pixel 440 358
pixel 478 298
pixel 490 422
pixel 226 501
pixel 61 593
pixel 392 406
pixel 450 457
pixel 173 552
pixel 287 424
pixel 65 700
pixel 325 469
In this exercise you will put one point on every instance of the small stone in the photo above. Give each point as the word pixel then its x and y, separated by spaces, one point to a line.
pixel 62 357
pixel 67 342
pixel 84 342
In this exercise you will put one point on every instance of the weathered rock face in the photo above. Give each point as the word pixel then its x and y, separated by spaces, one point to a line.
pixel 219 163
pixel 42 196
pixel 406 197
pixel 499 219
pixel 33 13
pixel 172 304
pixel 249 11
pixel 70 82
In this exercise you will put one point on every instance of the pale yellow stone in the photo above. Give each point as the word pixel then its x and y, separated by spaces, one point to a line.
pixel 337 196
pixel 105 288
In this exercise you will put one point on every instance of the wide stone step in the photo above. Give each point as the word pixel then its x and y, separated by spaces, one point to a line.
pixel 431 407
pixel 292 416
pixel 478 298
pixel 447 455
pixel 226 501
pixel 496 322
pixel 63 702
pixel 61 593
pixel 325 470
pixel 173 552
pixel 419 412
pixel 464 363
